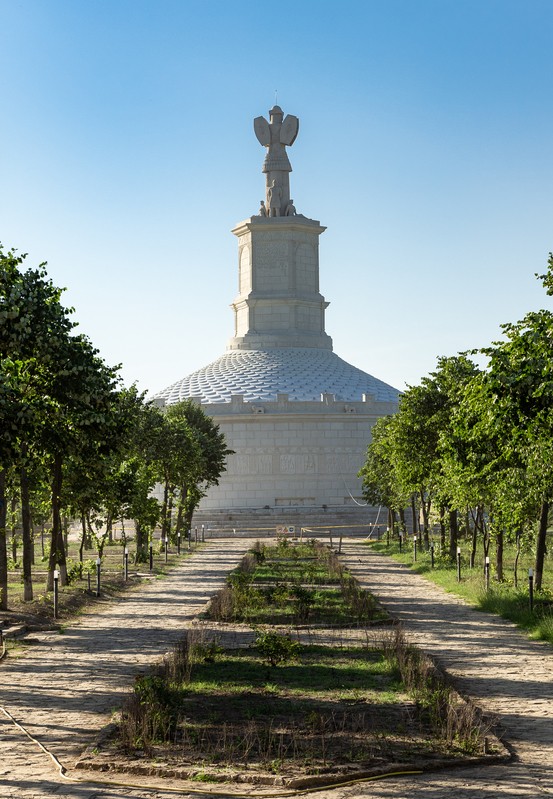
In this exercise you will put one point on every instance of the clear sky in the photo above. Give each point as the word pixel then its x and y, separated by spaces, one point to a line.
pixel 127 154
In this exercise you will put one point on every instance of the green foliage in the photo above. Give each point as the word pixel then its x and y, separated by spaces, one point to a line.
pixel 158 716
pixel 454 720
pixel 276 648
pixel 67 425
pixel 283 590
pixel 80 569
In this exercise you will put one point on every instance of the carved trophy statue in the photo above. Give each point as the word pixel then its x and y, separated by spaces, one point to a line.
pixel 276 135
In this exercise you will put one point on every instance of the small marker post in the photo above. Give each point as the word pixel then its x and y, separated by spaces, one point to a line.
pixel 56 593
pixel 531 589
pixel 151 557
pixel 203 533
pixel 98 575
pixel 432 554
pixel 387 536
pixel 178 542
pixel 196 536
pixel 487 572
pixel 414 549
pixel 458 564
pixel 401 542
pixel 190 539
pixel 126 564
pixel 166 547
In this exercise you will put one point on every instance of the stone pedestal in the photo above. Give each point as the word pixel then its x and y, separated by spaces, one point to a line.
pixel 279 303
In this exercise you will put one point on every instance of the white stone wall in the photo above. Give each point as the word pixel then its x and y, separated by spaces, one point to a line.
pixel 304 454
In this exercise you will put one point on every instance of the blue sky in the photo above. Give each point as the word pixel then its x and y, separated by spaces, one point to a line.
pixel 127 154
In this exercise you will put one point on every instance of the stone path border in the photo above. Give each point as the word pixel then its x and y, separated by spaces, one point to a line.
pixel 62 690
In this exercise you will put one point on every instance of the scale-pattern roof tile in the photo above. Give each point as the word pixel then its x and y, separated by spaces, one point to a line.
pixel 259 375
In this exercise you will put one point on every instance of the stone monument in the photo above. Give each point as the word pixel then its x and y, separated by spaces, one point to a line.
pixel 297 416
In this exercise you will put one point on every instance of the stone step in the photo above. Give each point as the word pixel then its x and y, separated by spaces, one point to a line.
pixel 349 521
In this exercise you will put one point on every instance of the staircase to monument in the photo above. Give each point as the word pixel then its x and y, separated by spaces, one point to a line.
pixel 359 520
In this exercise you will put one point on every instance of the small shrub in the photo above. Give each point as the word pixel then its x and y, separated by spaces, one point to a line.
pixel 455 720
pixel 148 714
pixel 258 552
pixel 206 652
pixel 304 602
pixel 276 648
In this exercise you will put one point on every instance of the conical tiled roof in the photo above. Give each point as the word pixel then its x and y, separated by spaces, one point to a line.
pixel 259 375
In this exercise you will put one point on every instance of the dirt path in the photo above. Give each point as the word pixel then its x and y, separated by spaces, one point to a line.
pixel 509 676
pixel 64 687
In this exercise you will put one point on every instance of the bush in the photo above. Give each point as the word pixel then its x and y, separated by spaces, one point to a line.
pixel 275 648
pixel 456 720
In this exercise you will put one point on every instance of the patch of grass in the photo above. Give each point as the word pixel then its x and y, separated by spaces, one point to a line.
pixel 330 709
pixel 293 584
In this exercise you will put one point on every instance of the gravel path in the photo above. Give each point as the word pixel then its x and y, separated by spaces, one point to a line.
pixel 509 676
pixel 63 688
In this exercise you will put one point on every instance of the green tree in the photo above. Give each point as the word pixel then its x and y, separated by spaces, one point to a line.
pixel 423 419
pixel 209 463
pixel 32 324
pixel 381 485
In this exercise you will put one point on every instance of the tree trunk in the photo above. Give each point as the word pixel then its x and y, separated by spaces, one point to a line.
pixel 168 535
pixel 517 556
pixel 442 528
pixel 403 526
pixel 164 508
pixel 414 515
pixel 180 515
pixel 27 534
pixel 3 544
pixel 83 538
pixel 106 536
pixel 90 537
pixel 141 543
pixel 474 541
pixel 425 507
pixel 14 529
pixel 499 556
pixel 480 524
pixel 453 534
pixel 57 549
pixel 541 545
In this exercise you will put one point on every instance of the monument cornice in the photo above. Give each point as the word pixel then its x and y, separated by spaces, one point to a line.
pixel 280 223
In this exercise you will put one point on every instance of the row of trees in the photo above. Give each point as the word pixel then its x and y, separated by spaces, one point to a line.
pixel 472 449
pixel 75 442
